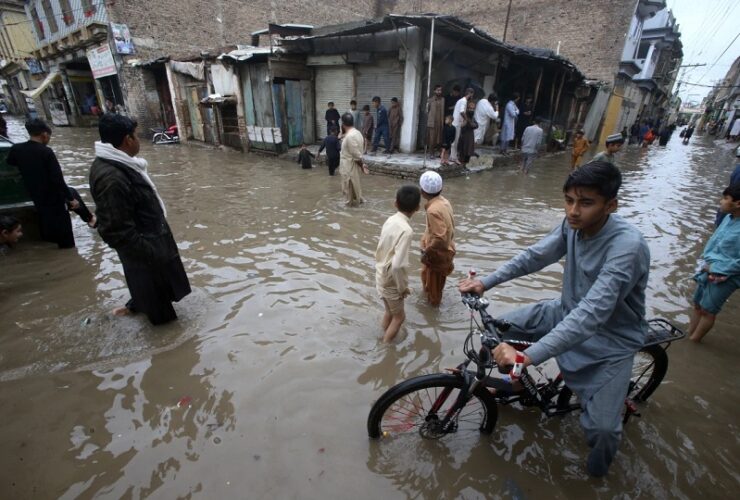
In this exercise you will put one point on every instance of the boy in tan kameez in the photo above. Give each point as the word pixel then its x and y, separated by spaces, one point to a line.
pixel 350 161
pixel 392 260
pixel 437 246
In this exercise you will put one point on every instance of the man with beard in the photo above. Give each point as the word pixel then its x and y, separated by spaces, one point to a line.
pixel 435 120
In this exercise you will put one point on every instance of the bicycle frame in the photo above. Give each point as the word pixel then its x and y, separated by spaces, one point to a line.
pixel 530 395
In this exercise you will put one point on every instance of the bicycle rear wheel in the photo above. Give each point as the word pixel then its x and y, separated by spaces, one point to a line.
pixel 420 404
pixel 648 370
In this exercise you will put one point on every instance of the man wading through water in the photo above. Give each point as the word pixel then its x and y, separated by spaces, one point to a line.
pixel 131 220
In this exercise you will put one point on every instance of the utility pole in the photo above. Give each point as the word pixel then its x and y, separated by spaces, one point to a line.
pixel 680 78
pixel 506 24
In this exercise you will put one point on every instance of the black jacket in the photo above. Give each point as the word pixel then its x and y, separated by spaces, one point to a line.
pixel 131 220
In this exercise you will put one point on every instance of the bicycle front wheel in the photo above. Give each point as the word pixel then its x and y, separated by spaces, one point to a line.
pixel 421 405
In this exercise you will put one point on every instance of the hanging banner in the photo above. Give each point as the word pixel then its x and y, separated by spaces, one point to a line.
pixel 101 61
pixel 122 37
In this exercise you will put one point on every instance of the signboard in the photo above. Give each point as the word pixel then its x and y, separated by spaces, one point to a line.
pixel 122 38
pixel 34 66
pixel 101 61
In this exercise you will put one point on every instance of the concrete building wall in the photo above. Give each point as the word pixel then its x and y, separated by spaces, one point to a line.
pixel 193 24
pixel 16 38
pixel 591 32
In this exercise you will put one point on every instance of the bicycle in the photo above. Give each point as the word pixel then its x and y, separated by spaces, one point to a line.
pixel 445 403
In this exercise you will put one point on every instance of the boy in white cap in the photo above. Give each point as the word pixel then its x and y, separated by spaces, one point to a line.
pixel 613 144
pixel 437 246
pixel 392 260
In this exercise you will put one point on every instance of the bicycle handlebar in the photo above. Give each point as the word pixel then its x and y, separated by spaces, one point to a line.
pixel 480 304
pixel 493 327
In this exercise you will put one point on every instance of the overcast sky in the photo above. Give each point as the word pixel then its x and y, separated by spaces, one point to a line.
pixel 707 28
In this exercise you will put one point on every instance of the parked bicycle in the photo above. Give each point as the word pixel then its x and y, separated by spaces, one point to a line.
pixel 446 403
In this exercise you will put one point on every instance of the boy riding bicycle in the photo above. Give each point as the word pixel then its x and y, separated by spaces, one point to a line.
pixel 598 324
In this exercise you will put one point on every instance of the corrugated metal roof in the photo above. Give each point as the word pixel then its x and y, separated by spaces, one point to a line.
pixel 244 53
pixel 450 26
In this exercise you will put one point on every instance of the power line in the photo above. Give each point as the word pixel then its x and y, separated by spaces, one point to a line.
pixel 724 51
pixel 712 86
pixel 720 56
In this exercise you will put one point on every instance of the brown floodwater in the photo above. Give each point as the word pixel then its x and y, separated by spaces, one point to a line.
pixel 275 358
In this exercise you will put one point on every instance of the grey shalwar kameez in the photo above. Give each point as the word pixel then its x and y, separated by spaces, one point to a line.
pixel 596 327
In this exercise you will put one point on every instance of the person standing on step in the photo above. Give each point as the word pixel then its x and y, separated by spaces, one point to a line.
pixel 395 119
pixel 511 112
pixel 435 121
pixel 382 127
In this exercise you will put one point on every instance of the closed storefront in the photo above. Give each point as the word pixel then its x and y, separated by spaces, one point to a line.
pixel 383 79
pixel 335 84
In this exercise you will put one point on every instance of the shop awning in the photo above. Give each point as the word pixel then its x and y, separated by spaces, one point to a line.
pixel 34 93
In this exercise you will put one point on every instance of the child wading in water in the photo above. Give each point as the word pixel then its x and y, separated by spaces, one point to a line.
pixel 580 146
pixel 304 157
pixel 718 272
pixel 333 147
pixel 10 232
pixel 392 260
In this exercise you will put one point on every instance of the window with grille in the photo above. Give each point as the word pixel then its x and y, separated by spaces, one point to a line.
pixel 88 8
pixel 67 15
pixel 37 23
pixel 46 4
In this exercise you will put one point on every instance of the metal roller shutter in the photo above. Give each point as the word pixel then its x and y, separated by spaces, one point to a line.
pixel 334 84
pixel 383 79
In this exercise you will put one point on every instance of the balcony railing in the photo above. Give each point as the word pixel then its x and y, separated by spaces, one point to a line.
pixel 79 14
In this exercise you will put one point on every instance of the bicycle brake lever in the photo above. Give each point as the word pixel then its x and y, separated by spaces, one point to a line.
pixel 514 371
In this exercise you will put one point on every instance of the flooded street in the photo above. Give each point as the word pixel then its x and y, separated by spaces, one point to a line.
pixel 275 359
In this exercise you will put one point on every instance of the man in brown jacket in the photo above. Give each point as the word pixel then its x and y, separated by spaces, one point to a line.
pixel 395 118
pixel 435 120
pixel 437 247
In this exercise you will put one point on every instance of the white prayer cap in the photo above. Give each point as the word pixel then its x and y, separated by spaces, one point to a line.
pixel 431 182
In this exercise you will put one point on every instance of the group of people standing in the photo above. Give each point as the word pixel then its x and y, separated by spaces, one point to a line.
pixel 456 123
pixel 385 125
pixel 645 132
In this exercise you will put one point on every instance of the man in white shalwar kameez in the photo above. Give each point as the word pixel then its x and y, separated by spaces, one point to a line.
pixel 510 114
pixel 485 110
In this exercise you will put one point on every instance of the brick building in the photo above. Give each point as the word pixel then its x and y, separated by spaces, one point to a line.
pixel 590 33
pixel 189 27
pixel 66 31
pixel 598 36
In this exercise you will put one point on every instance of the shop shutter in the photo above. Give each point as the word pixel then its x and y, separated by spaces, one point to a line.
pixel 336 84
pixel 384 79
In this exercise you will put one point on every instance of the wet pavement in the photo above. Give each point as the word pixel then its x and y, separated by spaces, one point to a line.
pixel 263 386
